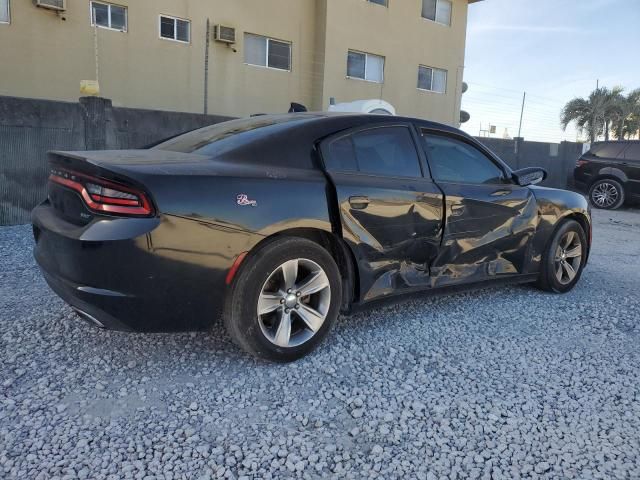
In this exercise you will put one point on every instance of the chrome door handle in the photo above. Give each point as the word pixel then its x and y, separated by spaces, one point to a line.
pixel 359 202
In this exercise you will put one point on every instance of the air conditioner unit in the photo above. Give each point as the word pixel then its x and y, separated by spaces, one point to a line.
pixel 224 34
pixel 59 5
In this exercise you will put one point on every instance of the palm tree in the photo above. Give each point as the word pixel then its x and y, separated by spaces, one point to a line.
pixel 611 100
pixel 626 114
pixel 593 114
pixel 632 127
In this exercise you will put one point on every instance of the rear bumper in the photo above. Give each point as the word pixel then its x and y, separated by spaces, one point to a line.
pixel 582 179
pixel 164 274
pixel 85 302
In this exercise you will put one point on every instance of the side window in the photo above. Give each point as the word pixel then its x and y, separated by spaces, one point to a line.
pixel 388 151
pixel 342 156
pixel 607 150
pixel 455 161
pixel 633 153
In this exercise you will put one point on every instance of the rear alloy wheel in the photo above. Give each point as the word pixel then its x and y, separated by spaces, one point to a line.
pixel 285 299
pixel 607 194
pixel 564 259
pixel 294 303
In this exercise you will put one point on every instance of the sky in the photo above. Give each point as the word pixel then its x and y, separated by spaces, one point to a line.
pixel 554 50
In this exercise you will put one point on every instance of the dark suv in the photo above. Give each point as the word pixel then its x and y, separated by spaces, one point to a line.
pixel 610 173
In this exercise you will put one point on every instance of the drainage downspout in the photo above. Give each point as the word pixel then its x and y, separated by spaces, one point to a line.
pixel 206 70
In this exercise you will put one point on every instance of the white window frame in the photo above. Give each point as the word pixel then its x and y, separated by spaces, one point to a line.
pixel 386 3
pixel 266 59
pixel 175 28
pixel 8 21
pixel 126 16
pixel 366 59
pixel 433 69
pixel 436 21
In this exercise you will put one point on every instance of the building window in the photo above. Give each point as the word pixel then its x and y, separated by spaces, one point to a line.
pixel 365 66
pixel 4 11
pixel 173 28
pixel 432 79
pixel 384 3
pixel 107 15
pixel 267 52
pixel 437 11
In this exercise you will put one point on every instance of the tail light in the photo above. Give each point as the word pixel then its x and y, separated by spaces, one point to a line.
pixel 581 163
pixel 104 196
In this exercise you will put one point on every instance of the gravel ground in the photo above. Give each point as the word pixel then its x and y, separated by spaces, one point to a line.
pixel 501 383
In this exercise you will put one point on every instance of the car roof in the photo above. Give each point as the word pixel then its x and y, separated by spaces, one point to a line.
pixel 280 139
pixel 609 142
pixel 338 118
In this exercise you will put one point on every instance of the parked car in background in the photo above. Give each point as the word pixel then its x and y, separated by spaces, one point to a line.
pixel 610 173
pixel 279 222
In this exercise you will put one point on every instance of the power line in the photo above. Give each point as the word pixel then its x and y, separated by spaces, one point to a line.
pixel 537 118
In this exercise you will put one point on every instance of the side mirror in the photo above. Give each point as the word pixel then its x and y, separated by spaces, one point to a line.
pixel 529 176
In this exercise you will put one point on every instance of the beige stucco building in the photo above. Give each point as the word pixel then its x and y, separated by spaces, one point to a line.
pixel 158 54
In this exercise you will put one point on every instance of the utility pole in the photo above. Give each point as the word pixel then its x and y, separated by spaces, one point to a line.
pixel 95 45
pixel 206 69
pixel 524 97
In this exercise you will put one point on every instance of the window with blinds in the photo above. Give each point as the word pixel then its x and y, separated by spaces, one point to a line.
pixel 432 79
pixel 365 66
pixel 437 10
pixel 267 52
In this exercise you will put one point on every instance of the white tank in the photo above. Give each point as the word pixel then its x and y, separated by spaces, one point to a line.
pixel 364 106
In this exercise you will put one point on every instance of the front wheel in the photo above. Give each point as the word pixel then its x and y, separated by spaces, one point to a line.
pixel 285 300
pixel 607 194
pixel 564 259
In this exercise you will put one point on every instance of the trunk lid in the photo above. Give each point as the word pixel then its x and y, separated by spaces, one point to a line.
pixel 130 163
pixel 130 168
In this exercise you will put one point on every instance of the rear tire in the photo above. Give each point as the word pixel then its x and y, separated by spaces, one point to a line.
pixel 564 259
pixel 284 300
pixel 607 194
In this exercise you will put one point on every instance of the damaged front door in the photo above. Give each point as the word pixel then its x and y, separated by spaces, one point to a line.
pixel 489 219
pixel 391 215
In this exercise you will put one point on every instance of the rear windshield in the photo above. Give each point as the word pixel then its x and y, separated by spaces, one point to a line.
pixel 607 150
pixel 223 137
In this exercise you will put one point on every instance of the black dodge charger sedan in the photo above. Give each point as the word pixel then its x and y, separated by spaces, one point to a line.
pixel 277 223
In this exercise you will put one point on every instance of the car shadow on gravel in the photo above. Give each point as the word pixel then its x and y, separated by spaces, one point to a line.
pixel 214 347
